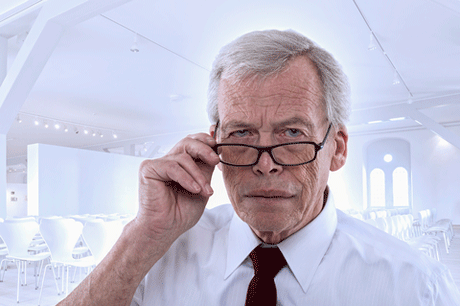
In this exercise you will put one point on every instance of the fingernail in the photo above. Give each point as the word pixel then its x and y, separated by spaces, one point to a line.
pixel 196 187
pixel 209 189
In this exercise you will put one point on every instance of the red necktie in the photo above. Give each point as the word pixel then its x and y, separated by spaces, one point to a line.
pixel 267 263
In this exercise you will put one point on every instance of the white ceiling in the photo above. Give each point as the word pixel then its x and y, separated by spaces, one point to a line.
pixel 158 95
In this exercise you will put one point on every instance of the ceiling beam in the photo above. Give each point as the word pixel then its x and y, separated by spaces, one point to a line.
pixel 3 58
pixel 54 18
pixel 435 127
pixel 386 112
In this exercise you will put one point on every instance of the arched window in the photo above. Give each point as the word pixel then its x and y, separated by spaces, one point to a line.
pixel 400 187
pixel 388 178
pixel 377 188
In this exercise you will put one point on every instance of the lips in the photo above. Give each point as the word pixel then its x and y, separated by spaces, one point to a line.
pixel 269 194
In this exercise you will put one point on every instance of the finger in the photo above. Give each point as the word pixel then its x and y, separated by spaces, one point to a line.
pixel 182 170
pixel 197 149
pixel 178 174
pixel 197 171
pixel 205 138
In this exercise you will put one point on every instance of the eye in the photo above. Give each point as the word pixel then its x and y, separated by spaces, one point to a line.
pixel 292 133
pixel 240 133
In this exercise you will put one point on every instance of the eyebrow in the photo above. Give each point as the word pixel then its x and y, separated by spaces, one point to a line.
pixel 295 121
pixel 236 124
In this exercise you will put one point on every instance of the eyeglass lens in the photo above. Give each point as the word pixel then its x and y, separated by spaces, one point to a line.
pixel 286 154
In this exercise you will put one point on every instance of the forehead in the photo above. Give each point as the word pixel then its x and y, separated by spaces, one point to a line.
pixel 295 92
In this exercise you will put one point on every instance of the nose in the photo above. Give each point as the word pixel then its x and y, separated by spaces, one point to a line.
pixel 266 166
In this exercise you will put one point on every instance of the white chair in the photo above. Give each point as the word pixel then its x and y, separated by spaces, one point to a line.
pixel 61 235
pixel 382 224
pixel 442 222
pixel 428 228
pixel 100 236
pixel 17 235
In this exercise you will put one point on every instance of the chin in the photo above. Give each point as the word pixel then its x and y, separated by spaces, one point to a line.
pixel 266 220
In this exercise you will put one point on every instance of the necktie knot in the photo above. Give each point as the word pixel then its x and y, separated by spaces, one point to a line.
pixel 267 263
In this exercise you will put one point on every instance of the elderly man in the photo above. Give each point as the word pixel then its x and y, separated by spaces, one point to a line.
pixel 278 104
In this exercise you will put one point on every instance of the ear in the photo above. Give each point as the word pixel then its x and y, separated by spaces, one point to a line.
pixel 340 154
pixel 212 128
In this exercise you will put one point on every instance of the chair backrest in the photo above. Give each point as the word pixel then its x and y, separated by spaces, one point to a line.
pixel 61 236
pixel 371 222
pixel 100 236
pixel 372 215
pixel 390 226
pixel 382 224
pixel 18 234
pixel 424 219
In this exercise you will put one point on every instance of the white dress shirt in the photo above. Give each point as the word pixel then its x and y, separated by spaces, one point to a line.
pixel 334 260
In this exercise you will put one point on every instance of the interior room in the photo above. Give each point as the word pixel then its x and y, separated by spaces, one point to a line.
pixel 91 88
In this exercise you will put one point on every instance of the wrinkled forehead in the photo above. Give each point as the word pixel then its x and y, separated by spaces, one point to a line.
pixel 297 90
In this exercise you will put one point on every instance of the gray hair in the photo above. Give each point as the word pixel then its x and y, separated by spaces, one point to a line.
pixel 266 53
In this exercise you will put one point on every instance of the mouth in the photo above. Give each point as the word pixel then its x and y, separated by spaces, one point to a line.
pixel 269 194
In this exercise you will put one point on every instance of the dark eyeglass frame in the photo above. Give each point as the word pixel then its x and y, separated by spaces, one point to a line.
pixel 269 149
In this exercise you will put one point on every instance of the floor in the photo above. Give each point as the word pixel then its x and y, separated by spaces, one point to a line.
pixel 29 296
pixel 452 260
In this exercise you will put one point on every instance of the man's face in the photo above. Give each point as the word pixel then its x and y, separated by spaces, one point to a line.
pixel 276 201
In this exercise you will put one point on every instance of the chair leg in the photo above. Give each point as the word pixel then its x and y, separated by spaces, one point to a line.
pixel 62 278
pixel 41 288
pixel 37 277
pixel 75 273
pixel 4 270
pixel 446 242
pixel 24 271
pixel 67 282
pixel 18 265
pixel 55 280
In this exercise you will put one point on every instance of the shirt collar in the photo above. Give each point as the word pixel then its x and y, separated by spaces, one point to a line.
pixel 311 242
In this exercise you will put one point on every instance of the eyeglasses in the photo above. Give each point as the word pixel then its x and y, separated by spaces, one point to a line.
pixel 285 154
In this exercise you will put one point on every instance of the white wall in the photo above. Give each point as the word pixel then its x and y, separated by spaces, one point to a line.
pixel 435 173
pixel 17 177
pixel 16 200
pixel 63 181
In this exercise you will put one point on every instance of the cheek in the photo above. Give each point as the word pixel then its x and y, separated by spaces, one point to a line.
pixel 307 176
pixel 232 178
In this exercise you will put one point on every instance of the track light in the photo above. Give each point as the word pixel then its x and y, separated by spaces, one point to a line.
pixel 66 125
pixel 372 45
pixel 135 47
